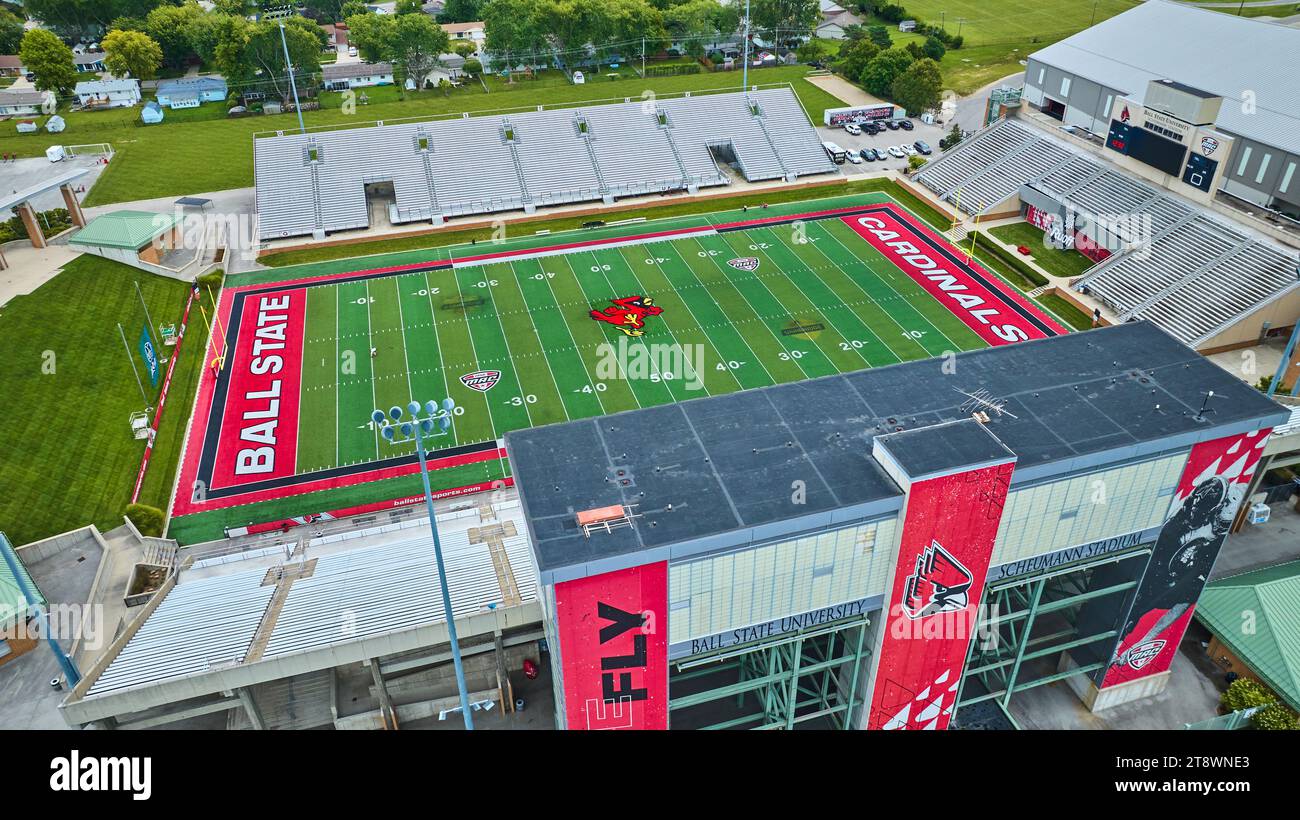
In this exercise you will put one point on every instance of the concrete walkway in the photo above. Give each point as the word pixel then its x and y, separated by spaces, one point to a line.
pixel 29 268
pixel 837 86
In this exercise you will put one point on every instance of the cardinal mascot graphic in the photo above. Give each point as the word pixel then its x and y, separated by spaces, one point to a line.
pixel 628 314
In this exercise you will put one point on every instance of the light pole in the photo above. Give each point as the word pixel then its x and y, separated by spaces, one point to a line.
pixel 415 429
pixel 744 81
pixel 293 85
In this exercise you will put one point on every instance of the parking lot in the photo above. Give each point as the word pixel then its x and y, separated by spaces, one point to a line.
pixel 931 134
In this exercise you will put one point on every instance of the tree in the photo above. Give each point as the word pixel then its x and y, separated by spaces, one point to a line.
pixel 880 36
pixel 917 89
pixel 264 51
pixel 854 57
pixel 879 75
pixel 128 24
pixel 695 22
pixel 811 51
pixel 783 20
pixel 472 67
pixel 460 11
pixel 148 520
pixel 934 48
pixel 131 53
pixel 330 10
pixel 411 42
pixel 11 32
pixel 954 136
pixel 46 56
pixel 169 26
pixel 407 7
pixel 514 30
pixel 463 48
pixel 220 41
pixel 352 8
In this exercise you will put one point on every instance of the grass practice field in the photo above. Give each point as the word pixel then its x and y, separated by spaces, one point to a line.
pixel 68 455
pixel 684 310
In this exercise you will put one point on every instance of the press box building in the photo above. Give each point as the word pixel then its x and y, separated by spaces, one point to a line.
pixel 901 547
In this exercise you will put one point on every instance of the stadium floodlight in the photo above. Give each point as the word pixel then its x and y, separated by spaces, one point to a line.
pixel 401 427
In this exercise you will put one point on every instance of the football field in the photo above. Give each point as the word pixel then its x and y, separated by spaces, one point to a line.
pixel 546 334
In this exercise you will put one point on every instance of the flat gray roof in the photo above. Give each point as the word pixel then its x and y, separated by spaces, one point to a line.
pixel 727 463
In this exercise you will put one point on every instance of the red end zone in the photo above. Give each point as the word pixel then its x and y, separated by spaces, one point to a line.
pixel 985 305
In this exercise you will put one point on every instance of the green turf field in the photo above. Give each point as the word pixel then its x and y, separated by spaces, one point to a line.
pixel 1001 21
pixel 529 319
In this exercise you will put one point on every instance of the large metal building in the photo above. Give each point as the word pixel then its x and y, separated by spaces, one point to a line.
pixel 1250 64
pixel 910 546
pixel 322 182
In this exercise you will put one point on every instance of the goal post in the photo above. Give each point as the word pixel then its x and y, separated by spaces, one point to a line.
pixel 103 149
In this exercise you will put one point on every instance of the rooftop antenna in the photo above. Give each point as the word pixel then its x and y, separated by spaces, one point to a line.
pixel 982 401
pixel 1205 404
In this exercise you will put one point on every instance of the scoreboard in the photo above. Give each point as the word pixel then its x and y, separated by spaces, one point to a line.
pixel 1159 152
pixel 1200 171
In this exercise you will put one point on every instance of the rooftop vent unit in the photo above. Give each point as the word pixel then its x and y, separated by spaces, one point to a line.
pixel 606 519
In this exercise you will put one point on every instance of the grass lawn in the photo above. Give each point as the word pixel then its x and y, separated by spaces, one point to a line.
pixel 216 154
pixel 454 237
pixel 1063 263
pixel 1066 310
pixel 991 22
pixel 69 456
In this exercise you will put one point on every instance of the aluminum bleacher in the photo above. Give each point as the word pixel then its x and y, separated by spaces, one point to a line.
pixel 316 183
pixel 1190 271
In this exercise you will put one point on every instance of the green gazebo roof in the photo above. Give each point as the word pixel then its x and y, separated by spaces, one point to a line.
pixel 129 230
pixel 1257 615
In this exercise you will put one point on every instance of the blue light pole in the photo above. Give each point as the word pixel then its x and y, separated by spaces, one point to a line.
pixel 415 429
pixel 29 595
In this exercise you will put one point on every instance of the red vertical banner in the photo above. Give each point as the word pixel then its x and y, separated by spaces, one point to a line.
pixel 1205 503
pixel 943 557
pixel 613 631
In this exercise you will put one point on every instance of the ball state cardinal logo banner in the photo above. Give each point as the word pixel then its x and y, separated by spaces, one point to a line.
pixel 1206 501
pixel 943 556
pixel 614 648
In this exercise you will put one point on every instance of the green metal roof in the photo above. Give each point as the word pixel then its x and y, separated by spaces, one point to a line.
pixel 124 229
pixel 12 600
pixel 1257 615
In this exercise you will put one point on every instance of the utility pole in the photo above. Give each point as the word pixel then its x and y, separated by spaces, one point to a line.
pixel 292 84
pixel 1094 12
pixel 643 57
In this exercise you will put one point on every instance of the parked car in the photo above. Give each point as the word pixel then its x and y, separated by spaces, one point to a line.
pixel 871 128
pixel 852 128
pixel 895 151
pixel 906 125
pixel 853 157
pixel 923 147
pixel 892 125
pixel 871 154
pixel 352 51
pixel 907 149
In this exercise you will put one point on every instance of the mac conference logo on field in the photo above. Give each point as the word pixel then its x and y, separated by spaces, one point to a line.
pixel 745 263
pixel 1209 145
pixel 481 380
pixel 939 583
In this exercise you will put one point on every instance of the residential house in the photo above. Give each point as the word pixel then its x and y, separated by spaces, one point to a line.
pixel 834 20
pixel 190 92
pixel 108 93
pixel 25 103
pixel 474 33
pixel 92 61
pixel 356 75
pixel 11 65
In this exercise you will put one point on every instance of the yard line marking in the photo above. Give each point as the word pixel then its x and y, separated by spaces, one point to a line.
pixel 374 402
pixel 473 350
pixel 788 350
pixel 510 356
pixel 954 347
pixel 682 259
pixel 577 280
pixel 641 339
pixel 338 409
pixel 704 333
pixel 810 269
pixel 591 378
pixel 442 365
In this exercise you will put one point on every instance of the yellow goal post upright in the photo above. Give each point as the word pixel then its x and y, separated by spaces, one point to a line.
pixel 215 331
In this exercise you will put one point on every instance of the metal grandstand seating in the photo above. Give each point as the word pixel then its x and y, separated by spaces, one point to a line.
pixel 315 183
pixel 1188 271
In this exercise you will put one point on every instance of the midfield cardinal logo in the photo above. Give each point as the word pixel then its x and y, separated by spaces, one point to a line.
pixel 745 263
pixel 938 584
pixel 628 314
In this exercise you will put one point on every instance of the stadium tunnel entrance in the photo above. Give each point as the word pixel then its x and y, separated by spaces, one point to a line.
pixel 1056 626
pixel 810 679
